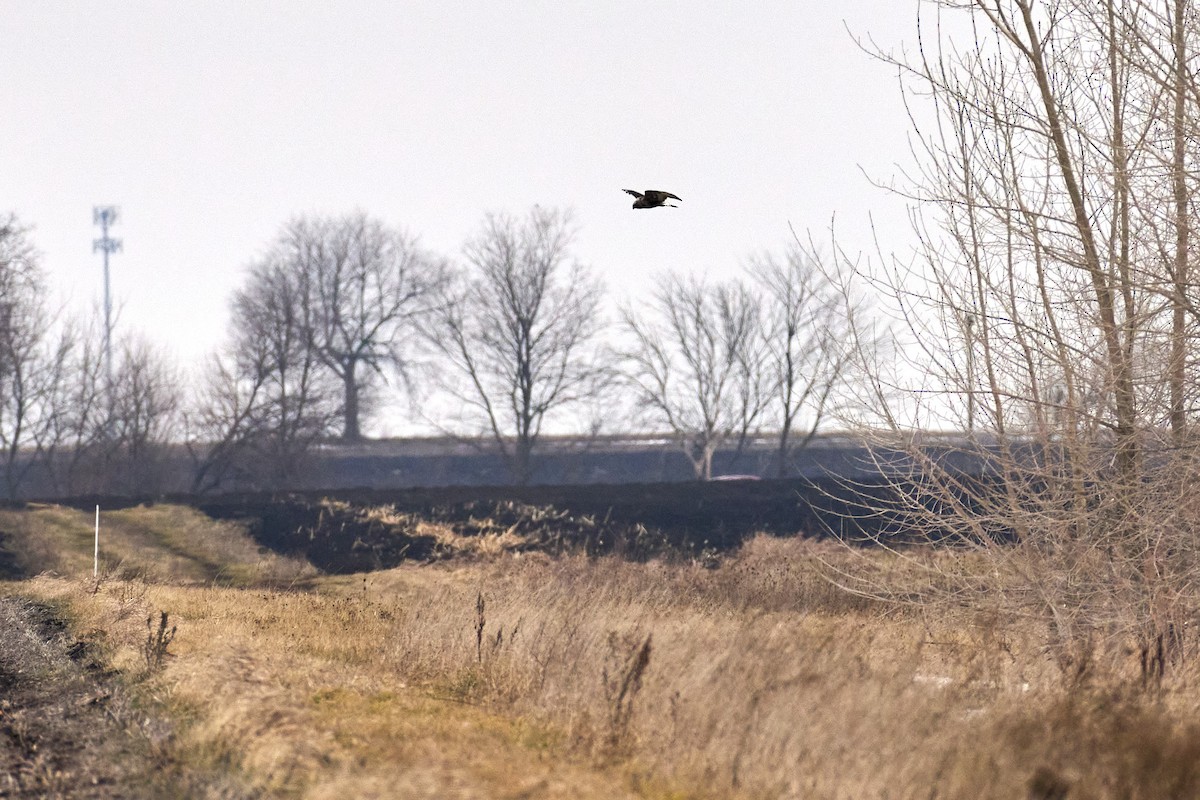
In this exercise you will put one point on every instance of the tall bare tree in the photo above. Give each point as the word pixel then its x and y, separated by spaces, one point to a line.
pixel 806 330
pixel 698 364
pixel 33 359
pixel 518 330
pixel 1051 307
pixel 268 399
pixel 368 287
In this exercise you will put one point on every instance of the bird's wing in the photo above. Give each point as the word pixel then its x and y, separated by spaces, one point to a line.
pixel 659 196
pixel 632 192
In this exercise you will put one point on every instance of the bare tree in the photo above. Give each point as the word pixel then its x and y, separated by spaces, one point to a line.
pixel 698 364
pixel 33 360
pixel 368 287
pixel 114 439
pixel 219 427
pixel 518 329
pixel 58 418
pixel 1051 311
pixel 81 442
pixel 268 399
pixel 145 415
pixel 806 330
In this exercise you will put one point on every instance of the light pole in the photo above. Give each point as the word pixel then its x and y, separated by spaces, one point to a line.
pixel 104 216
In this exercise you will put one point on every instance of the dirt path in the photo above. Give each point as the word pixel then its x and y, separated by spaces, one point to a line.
pixel 66 729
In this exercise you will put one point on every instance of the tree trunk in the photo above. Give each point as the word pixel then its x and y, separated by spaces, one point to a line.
pixel 522 461
pixel 1178 366
pixel 350 430
pixel 1120 370
pixel 785 433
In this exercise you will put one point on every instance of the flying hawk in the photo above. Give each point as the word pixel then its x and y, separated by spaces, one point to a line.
pixel 653 198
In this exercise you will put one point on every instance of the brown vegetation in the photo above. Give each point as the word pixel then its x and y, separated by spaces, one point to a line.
pixel 534 676
pixel 1048 313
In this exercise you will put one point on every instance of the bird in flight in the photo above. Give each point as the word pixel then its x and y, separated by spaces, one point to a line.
pixel 653 198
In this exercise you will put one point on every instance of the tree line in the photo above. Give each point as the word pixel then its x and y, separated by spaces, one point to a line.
pixel 510 338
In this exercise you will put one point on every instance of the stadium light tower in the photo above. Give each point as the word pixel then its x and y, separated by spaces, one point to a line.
pixel 104 216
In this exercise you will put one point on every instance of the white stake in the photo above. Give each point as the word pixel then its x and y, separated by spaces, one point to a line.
pixel 96 554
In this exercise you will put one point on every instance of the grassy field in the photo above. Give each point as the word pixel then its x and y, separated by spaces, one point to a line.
pixel 501 676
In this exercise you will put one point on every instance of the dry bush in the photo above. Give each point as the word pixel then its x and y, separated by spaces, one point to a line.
pixel 1097 744
pixel 157 641
pixel 771 573
pixel 625 666
pixel 1047 320
pixel 1099 577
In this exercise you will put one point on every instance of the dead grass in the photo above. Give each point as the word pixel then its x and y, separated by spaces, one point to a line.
pixel 753 680
pixel 157 543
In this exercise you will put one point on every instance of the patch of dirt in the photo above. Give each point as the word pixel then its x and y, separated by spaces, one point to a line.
pixel 67 729
pixel 334 537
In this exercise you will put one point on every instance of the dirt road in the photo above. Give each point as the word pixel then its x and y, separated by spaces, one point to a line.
pixel 66 729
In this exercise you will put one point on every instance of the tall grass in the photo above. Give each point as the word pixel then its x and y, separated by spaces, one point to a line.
pixel 604 678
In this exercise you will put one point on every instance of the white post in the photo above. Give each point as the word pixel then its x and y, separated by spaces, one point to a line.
pixel 96 553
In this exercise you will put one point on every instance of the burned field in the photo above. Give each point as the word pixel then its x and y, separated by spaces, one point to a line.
pixel 357 530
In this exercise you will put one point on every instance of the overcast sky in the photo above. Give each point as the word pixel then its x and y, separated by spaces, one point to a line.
pixel 212 123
